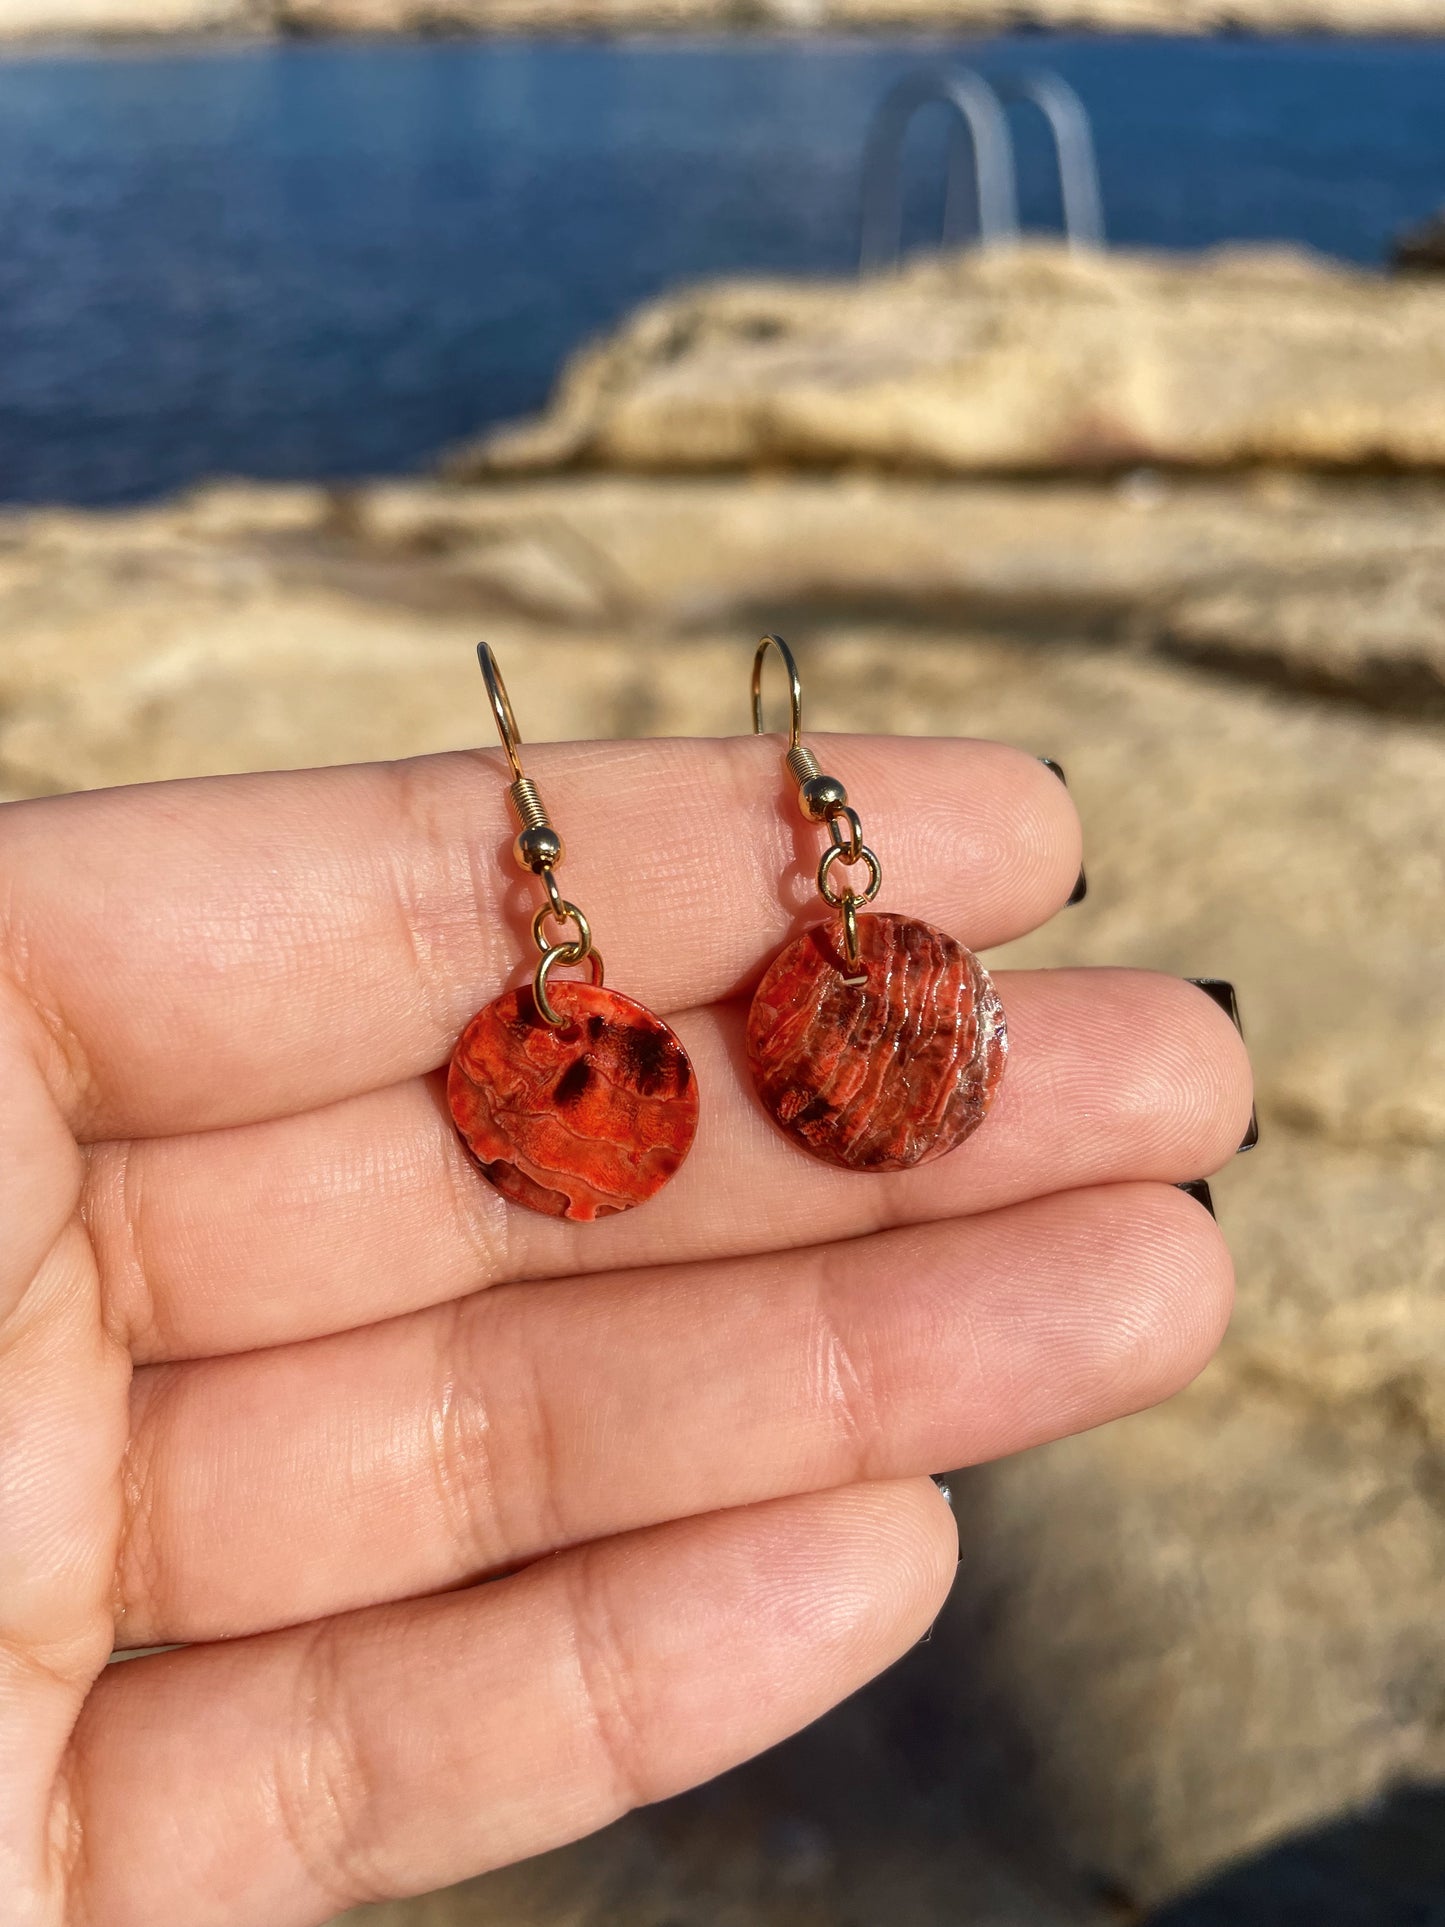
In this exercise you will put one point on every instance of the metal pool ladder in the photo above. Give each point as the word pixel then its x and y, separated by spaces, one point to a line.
pixel 979 133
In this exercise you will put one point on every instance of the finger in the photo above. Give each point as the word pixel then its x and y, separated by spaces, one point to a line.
pixel 62 1433
pixel 204 953
pixel 270 1233
pixel 294 1775
pixel 459 1441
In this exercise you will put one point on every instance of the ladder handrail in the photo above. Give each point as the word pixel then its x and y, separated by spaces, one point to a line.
pixel 977 114
pixel 978 118
pixel 1073 137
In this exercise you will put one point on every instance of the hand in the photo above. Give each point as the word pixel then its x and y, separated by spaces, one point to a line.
pixel 280 1381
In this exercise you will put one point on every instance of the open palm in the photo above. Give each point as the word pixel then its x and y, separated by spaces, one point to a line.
pixel 281 1377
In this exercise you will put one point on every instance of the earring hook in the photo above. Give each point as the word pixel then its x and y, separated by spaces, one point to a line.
pixel 822 799
pixel 501 709
pixel 795 689
pixel 538 848
pixel 800 763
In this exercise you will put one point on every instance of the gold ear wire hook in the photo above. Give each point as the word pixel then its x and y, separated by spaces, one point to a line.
pixel 538 848
pixel 822 799
pixel 501 709
pixel 795 689
pixel 817 794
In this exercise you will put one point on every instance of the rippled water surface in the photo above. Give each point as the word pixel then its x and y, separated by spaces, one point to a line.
pixel 330 260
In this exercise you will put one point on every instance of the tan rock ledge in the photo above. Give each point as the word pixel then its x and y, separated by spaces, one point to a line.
pixel 1023 360
pixel 1318 587
pixel 100 18
pixel 1118 16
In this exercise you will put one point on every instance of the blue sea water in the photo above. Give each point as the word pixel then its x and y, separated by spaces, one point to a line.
pixel 330 260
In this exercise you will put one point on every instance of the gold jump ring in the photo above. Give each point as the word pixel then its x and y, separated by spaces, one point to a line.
pixel 569 913
pixel 852 845
pixel 839 855
pixel 561 955
pixel 850 926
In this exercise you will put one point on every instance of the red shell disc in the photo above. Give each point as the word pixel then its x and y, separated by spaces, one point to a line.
pixel 886 1073
pixel 580 1120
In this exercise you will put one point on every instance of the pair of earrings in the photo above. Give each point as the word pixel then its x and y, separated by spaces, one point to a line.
pixel 876 1042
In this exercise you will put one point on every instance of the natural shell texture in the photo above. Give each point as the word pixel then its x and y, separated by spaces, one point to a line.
pixel 580 1120
pixel 886 1073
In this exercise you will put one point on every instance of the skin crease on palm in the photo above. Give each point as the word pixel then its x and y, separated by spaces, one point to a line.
pixel 475 1528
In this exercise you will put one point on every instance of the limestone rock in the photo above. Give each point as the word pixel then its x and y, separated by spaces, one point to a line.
pixel 24 19
pixel 128 17
pixel 1198 1631
pixel 1022 360
pixel 1149 16
pixel 1334 587
pixel 1296 848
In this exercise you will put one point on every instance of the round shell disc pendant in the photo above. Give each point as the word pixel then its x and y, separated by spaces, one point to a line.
pixel 884 1073
pixel 580 1120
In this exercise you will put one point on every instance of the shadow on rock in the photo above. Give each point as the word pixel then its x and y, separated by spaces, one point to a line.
pixel 1381 1868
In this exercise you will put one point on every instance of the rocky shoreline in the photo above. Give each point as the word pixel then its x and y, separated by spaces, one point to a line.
pixel 22 20
pixel 1028 360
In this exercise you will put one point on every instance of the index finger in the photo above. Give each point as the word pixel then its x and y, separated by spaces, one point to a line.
pixel 226 949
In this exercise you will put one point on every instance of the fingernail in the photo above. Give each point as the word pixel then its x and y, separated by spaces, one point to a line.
pixel 1222 992
pixel 1081 888
pixel 1198 1189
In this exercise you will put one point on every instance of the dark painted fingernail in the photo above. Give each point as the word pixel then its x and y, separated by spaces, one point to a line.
pixel 1199 1190
pixel 1222 992
pixel 1081 888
